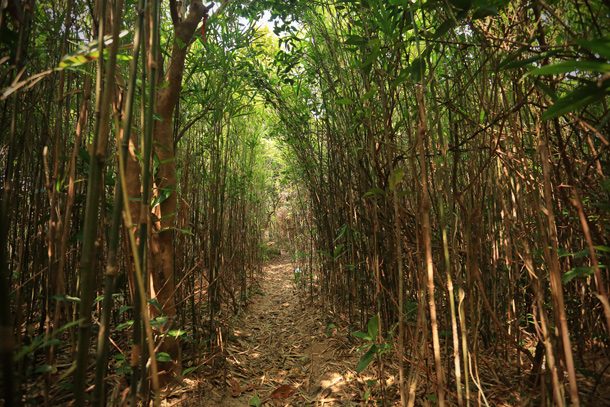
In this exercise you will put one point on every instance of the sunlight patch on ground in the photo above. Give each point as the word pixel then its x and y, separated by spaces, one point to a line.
pixel 332 381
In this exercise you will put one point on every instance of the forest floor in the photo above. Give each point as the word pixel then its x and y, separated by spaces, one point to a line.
pixel 282 354
pixel 283 351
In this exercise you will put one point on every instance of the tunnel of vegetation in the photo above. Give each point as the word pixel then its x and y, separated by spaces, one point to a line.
pixel 439 163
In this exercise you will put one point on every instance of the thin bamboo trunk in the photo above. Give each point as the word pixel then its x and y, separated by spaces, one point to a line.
pixel 427 246
pixel 554 271
pixel 98 161
pixel 112 266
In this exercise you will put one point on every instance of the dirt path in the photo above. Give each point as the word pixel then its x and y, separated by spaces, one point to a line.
pixel 283 353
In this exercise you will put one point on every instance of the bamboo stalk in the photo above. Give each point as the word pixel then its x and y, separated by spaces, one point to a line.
pixel 98 160
pixel 112 267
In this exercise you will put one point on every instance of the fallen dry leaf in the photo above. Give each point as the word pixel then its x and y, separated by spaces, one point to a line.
pixel 282 392
pixel 235 388
pixel 251 386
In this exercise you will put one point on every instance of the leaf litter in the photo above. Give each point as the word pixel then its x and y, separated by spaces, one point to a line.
pixel 282 353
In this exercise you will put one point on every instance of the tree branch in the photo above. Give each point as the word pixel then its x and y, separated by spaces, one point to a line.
pixel 173 11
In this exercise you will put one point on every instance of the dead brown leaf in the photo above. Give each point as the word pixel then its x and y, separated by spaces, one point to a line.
pixel 282 392
pixel 235 388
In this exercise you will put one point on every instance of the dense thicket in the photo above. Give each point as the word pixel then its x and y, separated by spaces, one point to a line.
pixel 454 156
pixel 440 164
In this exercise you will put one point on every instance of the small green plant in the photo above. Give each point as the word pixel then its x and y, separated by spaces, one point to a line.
pixel 298 276
pixel 255 401
pixel 373 347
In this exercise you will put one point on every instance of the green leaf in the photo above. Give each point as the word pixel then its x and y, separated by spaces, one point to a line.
pixel 418 69
pixel 571 66
pixel 362 335
pixel 66 298
pixel 355 40
pixel 163 357
pixel 483 11
pixel 580 97
pixel 366 359
pixel 65 385
pixel 185 231
pixel 90 51
pixel 368 394
pixel 75 60
pixel 444 28
pixel 602 205
pixel 398 176
pixel 188 370
pixel 338 251
pixel 158 322
pixel 461 4
pixel 599 46
pixel 255 401
pixel 576 272
pixel 368 95
pixel 124 325
pixel 510 63
pixel 374 327
pixel 176 332
pixel 51 342
pixel 374 191
pixel 43 369
pixel 345 101
pixel 325 253
pixel 154 302
pixel 161 145
pixel 68 325
pixel 164 193
pixel 125 308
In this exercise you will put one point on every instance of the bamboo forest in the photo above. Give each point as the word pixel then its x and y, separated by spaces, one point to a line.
pixel 305 203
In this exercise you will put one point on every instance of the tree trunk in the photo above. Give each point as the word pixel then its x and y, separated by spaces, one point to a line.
pixel 162 244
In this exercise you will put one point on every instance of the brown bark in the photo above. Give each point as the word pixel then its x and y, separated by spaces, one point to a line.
pixel 162 244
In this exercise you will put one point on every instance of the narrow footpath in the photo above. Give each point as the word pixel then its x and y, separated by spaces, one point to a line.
pixel 284 353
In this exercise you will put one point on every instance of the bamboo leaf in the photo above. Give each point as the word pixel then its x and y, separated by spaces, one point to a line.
pixel 68 325
pixel 578 272
pixel 43 369
pixel 188 370
pixel 154 302
pixel 355 40
pixel 366 359
pixel 368 95
pixel 185 231
pixel 576 99
pixel 397 178
pixel 176 332
pixel 599 46
pixel 571 66
pixel 346 101
pixel 325 253
pixel 362 335
pixel 374 191
pixel 163 357
pixel 373 327
pixel 255 401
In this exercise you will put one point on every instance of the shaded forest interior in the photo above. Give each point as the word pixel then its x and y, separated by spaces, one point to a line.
pixel 435 169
